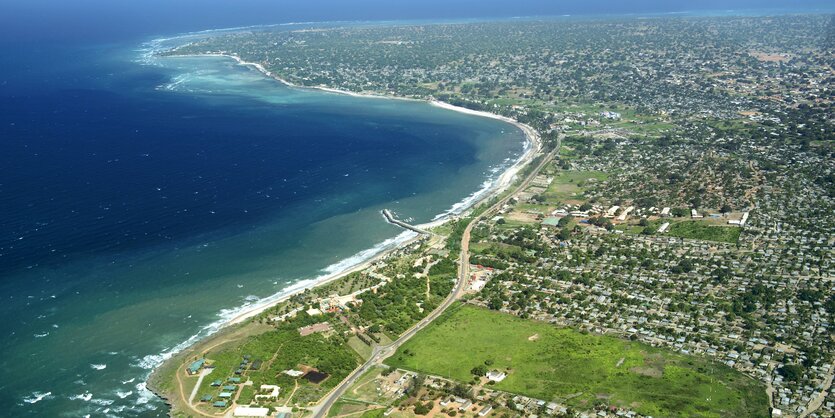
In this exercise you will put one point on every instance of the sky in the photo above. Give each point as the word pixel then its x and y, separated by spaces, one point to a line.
pixel 60 20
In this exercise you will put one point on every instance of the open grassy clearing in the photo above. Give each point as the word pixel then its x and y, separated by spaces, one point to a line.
pixel 705 231
pixel 579 369
pixel 570 185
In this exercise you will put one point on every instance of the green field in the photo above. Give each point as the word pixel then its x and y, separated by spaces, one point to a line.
pixel 570 185
pixel 578 369
pixel 704 231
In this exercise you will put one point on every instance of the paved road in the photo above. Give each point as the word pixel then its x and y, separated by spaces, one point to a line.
pixel 381 353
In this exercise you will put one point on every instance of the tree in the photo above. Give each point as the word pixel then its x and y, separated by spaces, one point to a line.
pixel 792 372
pixel 564 234
pixel 461 391
pixel 423 409
pixel 479 370
pixel 726 208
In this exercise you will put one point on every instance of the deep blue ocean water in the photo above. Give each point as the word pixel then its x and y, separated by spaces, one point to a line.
pixel 142 204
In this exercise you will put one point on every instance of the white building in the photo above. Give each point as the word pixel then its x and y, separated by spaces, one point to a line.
pixel 248 411
pixel 496 376
pixel 625 213
pixel 477 285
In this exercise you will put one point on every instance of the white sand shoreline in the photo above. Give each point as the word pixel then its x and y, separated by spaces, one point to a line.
pixel 497 186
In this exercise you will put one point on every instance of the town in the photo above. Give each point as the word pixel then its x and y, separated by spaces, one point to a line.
pixel 671 255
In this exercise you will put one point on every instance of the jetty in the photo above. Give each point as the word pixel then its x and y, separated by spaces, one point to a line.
pixel 392 220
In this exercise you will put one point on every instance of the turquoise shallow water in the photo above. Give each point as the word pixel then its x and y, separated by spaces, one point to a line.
pixel 145 204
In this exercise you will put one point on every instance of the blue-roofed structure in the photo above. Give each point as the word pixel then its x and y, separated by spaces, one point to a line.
pixel 195 367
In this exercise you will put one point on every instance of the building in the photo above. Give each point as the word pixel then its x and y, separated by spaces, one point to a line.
pixel 196 366
pixel 663 227
pixel 466 404
pixel 496 376
pixel 486 410
pixel 248 411
pixel 478 284
pixel 665 212
pixel 695 214
pixel 625 213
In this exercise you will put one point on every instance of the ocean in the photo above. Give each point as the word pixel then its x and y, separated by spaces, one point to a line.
pixel 145 202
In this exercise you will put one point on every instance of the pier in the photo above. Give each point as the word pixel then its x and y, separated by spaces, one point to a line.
pixel 392 220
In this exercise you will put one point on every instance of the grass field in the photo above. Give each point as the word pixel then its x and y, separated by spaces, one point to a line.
pixel 703 231
pixel 562 364
pixel 569 185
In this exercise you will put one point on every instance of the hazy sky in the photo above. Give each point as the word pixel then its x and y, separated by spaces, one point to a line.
pixel 106 19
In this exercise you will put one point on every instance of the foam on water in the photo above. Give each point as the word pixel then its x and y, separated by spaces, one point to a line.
pixel 37 397
pixel 123 395
pixel 86 396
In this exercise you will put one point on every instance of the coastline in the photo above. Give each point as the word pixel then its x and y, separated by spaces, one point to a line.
pixel 367 257
pixel 497 186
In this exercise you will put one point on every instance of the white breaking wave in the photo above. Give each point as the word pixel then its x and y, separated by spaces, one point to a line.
pixel 37 397
pixel 364 255
pixel 86 396
pixel 98 366
pixel 145 395
pixel 102 402
pixel 123 395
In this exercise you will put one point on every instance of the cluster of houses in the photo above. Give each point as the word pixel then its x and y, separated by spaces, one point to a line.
pixel 624 296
